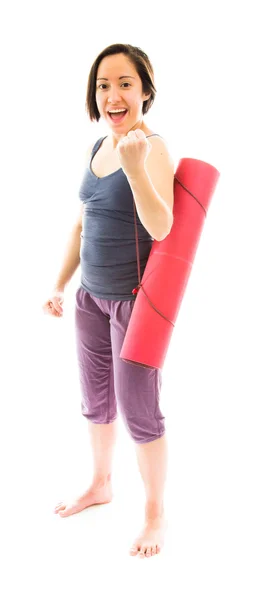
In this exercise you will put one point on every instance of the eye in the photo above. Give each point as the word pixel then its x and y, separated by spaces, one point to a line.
pixel 124 83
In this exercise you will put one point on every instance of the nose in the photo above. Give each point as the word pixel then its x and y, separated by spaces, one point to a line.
pixel 114 95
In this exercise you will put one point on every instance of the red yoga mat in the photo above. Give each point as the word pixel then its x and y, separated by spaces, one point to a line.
pixel 160 293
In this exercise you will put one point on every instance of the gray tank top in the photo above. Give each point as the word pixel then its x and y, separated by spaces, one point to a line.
pixel 108 244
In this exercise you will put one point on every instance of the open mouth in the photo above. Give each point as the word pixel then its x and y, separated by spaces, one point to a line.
pixel 117 117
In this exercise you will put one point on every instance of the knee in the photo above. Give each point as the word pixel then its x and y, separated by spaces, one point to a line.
pixel 97 417
pixel 144 429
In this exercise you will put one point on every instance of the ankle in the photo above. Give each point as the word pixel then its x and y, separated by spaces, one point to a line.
pixel 100 480
pixel 154 510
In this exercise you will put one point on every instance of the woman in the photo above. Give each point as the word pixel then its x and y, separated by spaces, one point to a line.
pixel 123 165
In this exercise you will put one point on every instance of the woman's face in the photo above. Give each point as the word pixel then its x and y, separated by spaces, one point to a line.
pixel 118 85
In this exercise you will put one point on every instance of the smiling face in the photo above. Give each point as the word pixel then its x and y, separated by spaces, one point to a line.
pixel 118 86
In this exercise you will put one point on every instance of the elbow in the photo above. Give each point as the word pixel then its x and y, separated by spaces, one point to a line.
pixel 166 233
pixel 160 239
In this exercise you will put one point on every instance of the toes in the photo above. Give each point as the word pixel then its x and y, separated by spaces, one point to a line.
pixel 142 552
pixel 66 512
pixel 133 550
pixel 59 506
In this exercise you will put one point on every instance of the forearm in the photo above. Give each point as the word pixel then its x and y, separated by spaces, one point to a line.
pixel 153 212
pixel 71 258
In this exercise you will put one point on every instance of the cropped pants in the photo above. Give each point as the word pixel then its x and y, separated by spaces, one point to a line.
pixel 107 382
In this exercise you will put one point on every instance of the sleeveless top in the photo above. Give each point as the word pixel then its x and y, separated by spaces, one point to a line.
pixel 108 244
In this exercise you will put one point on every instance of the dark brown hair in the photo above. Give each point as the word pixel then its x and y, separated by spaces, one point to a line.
pixel 143 67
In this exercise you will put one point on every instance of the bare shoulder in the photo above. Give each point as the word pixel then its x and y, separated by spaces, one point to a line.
pixel 79 218
pixel 160 152
pixel 160 143
pixel 89 150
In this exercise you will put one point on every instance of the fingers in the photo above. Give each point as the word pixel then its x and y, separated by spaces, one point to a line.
pixel 49 309
pixel 55 309
pixel 56 306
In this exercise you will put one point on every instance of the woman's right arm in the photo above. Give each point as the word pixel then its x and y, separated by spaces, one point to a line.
pixel 71 258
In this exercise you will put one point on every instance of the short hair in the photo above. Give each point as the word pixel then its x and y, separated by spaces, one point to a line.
pixel 143 67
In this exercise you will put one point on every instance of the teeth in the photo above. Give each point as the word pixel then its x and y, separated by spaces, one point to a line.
pixel 117 111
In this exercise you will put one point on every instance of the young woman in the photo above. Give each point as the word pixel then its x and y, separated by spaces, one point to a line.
pixel 132 162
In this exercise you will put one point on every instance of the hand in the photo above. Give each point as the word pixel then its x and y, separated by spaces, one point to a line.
pixel 132 151
pixel 53 306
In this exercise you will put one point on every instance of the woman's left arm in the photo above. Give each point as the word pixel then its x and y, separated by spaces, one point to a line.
pixel 151 178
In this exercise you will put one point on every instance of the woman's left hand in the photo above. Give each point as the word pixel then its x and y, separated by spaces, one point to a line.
pixel 132 151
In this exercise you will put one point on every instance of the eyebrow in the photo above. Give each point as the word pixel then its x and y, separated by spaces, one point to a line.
pixel 122 77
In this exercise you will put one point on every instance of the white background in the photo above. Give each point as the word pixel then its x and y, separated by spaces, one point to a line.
pixel 203 57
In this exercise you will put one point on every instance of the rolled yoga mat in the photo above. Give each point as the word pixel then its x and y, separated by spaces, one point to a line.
pixel 160 293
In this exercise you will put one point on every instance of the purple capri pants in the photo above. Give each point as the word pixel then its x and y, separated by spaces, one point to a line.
pixel 105 379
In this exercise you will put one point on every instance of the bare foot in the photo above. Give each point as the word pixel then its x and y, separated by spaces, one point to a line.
pixel 151 538
pixel 93 495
